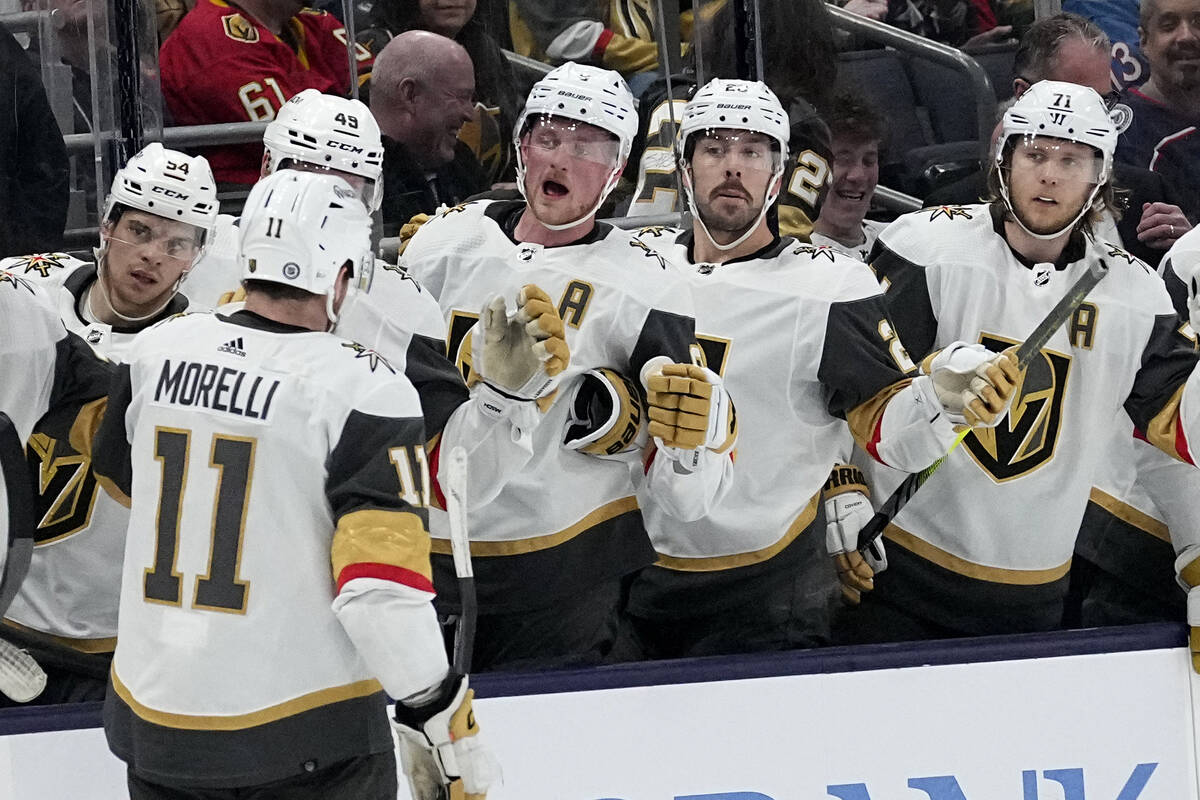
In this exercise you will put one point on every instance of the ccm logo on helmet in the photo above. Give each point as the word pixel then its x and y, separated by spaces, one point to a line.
pixel 343 146
pixel 169 192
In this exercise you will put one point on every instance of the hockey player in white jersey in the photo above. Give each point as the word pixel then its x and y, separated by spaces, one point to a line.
pixel 552 547
pixel 800 337
pixel 237 519
pixel 157 219
pixel 46 372
pixel 986 546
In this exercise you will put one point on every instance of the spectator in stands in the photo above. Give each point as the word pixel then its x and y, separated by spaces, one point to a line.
pixel 618 34
pixel 421 96
pixel 857 130
pixel 497 100
pixel 962 23
pixel 1163 135
pixel 72 40
pixel 1067 47
pixel 33 160
pixel 227 63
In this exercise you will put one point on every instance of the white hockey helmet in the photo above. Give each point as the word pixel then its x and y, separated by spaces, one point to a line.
pixel 1063 111
pixel 735 105
pixel 587 94
pixel 1059 110
pixel 329 132
pixel 299 228
pixel 168 184
pixel 738 105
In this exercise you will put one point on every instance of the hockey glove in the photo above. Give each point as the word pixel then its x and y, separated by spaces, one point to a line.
pixel 410 228
pixel 439 745
pixel 974 385
pixel 607 415
pixel 521 355
pixel 847 510
pixel 1187 572
pixel 690 409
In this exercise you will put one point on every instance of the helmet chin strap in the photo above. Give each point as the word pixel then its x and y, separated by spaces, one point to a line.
pixel 329 310
pixel 768 201
pixel 1044 236
pixel 101 254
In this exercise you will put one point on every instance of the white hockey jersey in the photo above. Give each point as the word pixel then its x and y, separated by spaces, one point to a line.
pixel 42 368
pixel 794 331
pixel 860 250
pixel 565 517
pixel 72 587
pixel 256 455
pixel 986 545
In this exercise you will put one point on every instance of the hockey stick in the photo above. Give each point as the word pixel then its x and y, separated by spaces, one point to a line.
pixel 21 678
pixel 460 546
pixel 868 537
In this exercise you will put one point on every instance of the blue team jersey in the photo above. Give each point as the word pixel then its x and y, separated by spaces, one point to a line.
pixel 1119 19
pixel 1164 141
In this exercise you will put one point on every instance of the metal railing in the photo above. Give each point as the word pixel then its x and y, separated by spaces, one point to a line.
pixel 893 200
pixel 981 85
pixel 28 21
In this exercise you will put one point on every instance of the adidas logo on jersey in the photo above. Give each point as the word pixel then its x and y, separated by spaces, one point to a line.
pixel 233 346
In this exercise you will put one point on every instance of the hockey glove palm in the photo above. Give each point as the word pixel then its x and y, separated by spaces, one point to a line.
pixel 607 415
pixel 690 409
pixel 523 354
pixel 439 745
pixel 974 385
pixel 847 510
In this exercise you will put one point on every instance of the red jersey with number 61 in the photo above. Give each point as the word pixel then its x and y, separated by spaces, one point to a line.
pixel 223 65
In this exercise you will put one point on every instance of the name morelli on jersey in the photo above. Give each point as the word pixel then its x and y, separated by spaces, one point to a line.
pixel 233 391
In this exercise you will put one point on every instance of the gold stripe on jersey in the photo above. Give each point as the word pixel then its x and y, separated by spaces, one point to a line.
pixel 794 222
pixel 395 538
pixel 114 491
pixel 864 417
pixel 516 547
pixel 105 645
pixel 1163 431
pixel 237 722
pixel 1190 574
pixel 87 422
pixel 716 563
pixel 935 554
pixel 1129 514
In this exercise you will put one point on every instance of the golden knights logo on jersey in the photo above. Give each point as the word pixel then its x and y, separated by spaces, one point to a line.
pixel 43 263
pixel 1027 438
pixel 373 358
pixel 815 251
pixel 66 488
pixel 950 212
pixel 9 279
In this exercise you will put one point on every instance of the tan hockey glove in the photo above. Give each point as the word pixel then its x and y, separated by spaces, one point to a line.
pixel 410 228
pixel 1187 573
pixel 847 510
pixel 524 354
pixel 440 747
pixel 689 409
pixel 974 385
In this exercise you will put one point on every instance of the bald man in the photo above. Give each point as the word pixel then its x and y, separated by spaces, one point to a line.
pixel 422 93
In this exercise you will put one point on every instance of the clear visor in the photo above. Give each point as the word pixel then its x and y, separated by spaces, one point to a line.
pixel 172 240
pixel 741 150
pixel 577 140
pixel 1057 159
pixel 366 273
pixel 366 189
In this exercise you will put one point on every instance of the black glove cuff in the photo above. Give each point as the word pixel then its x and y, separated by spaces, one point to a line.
pixel 416 716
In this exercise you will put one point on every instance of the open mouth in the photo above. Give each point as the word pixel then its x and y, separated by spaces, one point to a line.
pixel 554 189
pixel 1045 201
pixel 854 197
pixel 143 278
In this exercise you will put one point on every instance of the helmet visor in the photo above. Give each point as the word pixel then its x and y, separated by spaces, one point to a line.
pixel 736 149
pixel 569 138
pixel 1058 159
pixel 369 191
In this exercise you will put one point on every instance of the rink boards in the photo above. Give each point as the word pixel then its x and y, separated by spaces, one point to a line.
pixel 1088 715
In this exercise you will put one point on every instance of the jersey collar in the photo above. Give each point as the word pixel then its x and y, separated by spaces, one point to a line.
pixel 249 319
pixel 772 250
pixel 81 280
pixel 1076 245
pixel 507 213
